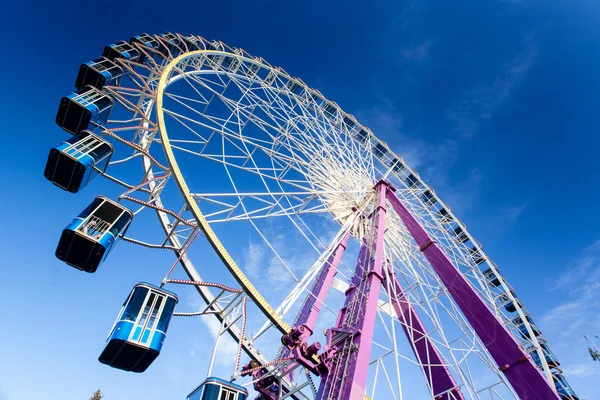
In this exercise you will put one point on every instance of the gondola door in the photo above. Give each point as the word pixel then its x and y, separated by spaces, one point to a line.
pixel 145 325
pixel 227 394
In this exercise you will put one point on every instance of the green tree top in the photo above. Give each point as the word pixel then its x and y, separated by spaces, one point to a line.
pixel 97 395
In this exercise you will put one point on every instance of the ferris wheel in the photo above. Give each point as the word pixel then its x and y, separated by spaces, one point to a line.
pixel 314 225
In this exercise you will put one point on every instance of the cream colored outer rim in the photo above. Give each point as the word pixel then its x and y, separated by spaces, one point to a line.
pixel 203 224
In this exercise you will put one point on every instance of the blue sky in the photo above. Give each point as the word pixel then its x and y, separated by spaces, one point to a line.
pixel 495 103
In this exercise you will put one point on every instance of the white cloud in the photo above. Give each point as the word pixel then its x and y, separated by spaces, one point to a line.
pixel 228 348
pixel 577 315
pixel 593 247
pixel 577 270
pixel 253 258
pixel 385 121
pixel 513 213
pixel 583 370
pixel 560 313
pixel 500 222
pixel 417 52
pixel 482 101
pixel 433 161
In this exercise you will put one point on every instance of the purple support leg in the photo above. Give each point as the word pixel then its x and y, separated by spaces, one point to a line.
pixel 296 340
pixel 439 379
pixel 348 351
pixel 312 307
pixel 525 378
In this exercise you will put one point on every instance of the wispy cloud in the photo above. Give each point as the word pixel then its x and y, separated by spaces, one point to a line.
pixel 580 286
pixel 463 193
pixel 512 214
pixel 483 100
pixel 228 348
pixel 502 221
pixel 416 52
pixel 385 120
pixel 594 247
pixel 577 315
pixel 253 257
pixel 577 271
pixel 583 370
pixel 433 161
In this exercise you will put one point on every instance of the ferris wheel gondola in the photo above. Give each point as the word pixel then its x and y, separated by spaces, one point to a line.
pixel 140 329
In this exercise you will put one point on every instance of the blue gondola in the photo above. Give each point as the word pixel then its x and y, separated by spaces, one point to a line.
pixel 218 389
pixel 90 237
pixel 174 43
pixel 193 43
pixel 72 164
pixel 462 236
pixel 491 277
pixel 563 388
pixel 330 110
pixel 82 108
pixel 396 165
pixel 145 39
pixel 296 88
pixel 148 41
pixel 519 324
pixel 348 122
pixel 476 255
pixel 123 50
pixel 443 214
pixel 140 329
pixel 379 150
pixel 412 181
pixel 429 198
pixel 98 73
pixel 509 305
pixel 548 355
pixel 230 62
pixel 362 135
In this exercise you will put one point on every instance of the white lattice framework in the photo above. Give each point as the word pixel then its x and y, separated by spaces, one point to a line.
pixel 282 154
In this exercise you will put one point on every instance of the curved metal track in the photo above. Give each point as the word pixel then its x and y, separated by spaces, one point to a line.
pixel 214 241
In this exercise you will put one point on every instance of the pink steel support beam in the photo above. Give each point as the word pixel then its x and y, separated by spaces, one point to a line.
pixel 525 378
pixel 312 307
pixel 296 339
pixel 348 351
pixel 439 379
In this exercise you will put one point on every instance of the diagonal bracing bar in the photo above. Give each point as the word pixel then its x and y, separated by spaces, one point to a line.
pixel 523 375
pixel 440 381
pixel 348 350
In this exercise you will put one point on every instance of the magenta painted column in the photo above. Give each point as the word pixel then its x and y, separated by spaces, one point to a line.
pixel 439 379
pixel 312 307
pixel 304 326
pixel 349 342
pixel 525 378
